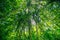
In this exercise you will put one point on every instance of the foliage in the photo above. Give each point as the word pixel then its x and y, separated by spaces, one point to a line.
pixel 29 20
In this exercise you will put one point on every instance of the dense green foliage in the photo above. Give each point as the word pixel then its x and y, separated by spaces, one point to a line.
pixel 29 20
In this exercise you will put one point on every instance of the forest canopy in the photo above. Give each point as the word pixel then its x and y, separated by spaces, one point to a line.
pixel 29 19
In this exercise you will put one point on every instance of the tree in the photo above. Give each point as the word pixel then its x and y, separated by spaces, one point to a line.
pixel 29 20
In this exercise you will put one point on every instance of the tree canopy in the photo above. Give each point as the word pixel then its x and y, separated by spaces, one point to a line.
pixel 29 20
